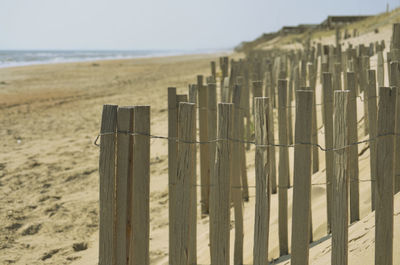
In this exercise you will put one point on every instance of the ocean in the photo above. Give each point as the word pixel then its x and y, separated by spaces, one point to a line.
pixel 10 58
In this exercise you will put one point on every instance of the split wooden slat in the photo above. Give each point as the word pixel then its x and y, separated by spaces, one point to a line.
pixel 263 183
pixel 204 148
pixel 140 198
pixel 123 183
pixel 220 189
pixel 283 169
pixel 236 177
pixel 340 181
pixel 328 114
pixel 302 179
pixel 385 176
pixel 372 109
pixel 184 184
pixel 107 185
pixel 352 158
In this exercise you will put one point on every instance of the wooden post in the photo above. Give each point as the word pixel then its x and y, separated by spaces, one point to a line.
pixel 140 204
pixel 172 152
pixel 324 69
pixel 245 112
pixel 263 183
pixel 352 159
pixel 123 181
pixel 372 110
pixel 225 91
pixel 315 158
pixel 364 83
pixel 381 70
pixel 303 73
pixel 107 185
pixel 213 70
pixel 236 180
pixel 204 153
pixel 173 108
pixel 396 36
pixel 340 182
pixel 271 132
pixel 193 206
pixel 312 72
pixel 384 178
pixel 290 110
pixel 302 178
pixel 395 81
pixel 328 114
pixel 337 77
pixel 220 189
pixel 184 183
pixel 246 105
pixel 283 168
pixel 212 125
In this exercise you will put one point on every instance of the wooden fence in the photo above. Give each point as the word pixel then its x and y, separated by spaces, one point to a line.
pixel 288 81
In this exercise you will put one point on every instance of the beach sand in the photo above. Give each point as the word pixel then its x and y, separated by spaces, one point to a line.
pixel 49 181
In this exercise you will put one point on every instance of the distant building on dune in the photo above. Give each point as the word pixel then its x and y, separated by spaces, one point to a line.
pixel 301 28
pixel 332 22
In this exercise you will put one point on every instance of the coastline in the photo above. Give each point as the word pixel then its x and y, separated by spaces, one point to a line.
pixel 118 56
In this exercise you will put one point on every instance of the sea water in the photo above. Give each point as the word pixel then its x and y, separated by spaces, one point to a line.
pixel 10 58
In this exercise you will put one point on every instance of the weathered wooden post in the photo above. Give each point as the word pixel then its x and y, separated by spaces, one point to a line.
pixel 123 183
pixel 173 107
pixel 363 82
pixel 193 206
pixel 236 177
pixel 172 150
pixel 328 114
pixel 337 77
pixel 220 189
pixel 315 157
pixel 395 81
pixel 385 176
pixel 381 70
pixel 140 203
pixel 302 178
pixel 212 125
pixel 213 70
pixel 245 112
pixel 283 168
pixel 225 91
pixel 372 110
pixel 204 152
pixel 263 183
pixel 352 159
pixel 271 132
pixel 107 185
pixel 290 110
pixel 184 184
pixel 340 182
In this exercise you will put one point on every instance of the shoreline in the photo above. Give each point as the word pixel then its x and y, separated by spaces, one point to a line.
pixel 116 58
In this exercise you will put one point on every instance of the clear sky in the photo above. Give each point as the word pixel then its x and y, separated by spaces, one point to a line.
pixel 160 24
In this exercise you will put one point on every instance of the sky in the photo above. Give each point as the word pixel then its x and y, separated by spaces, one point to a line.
pixel 160 24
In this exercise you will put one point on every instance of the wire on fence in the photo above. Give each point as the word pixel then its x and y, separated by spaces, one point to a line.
pixel 324 149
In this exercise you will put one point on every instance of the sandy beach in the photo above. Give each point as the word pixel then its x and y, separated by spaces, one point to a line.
pixel 50 116
pixel 49 181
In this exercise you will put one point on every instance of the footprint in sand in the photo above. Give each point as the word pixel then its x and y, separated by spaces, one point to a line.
pixel 14 226
pixel 31 230
pixel 50 254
